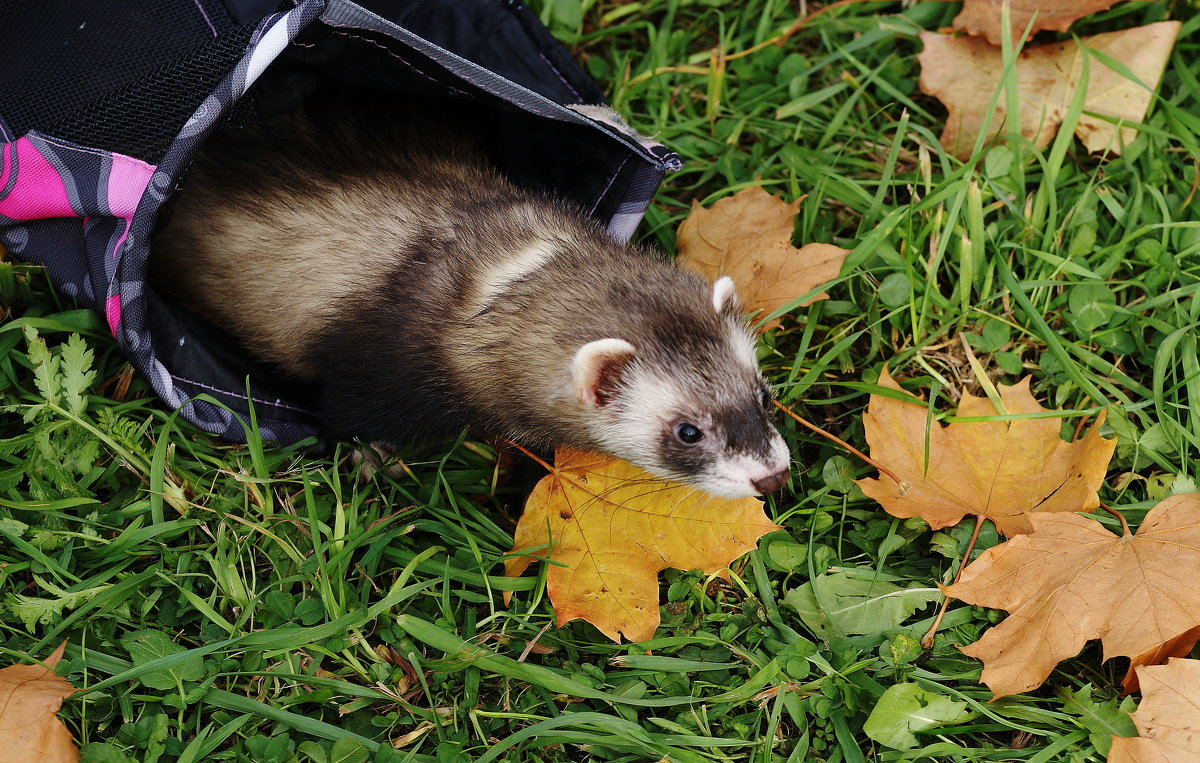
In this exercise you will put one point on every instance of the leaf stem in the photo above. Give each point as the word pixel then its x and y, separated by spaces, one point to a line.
pixel 540 462
pixel 927 639
pixel 832 438
pixel 1083 420
pixel 1120 517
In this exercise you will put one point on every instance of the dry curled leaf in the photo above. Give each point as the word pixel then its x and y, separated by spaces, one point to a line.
pixel 404 740
pixel 611 528
pixel 1072 580
pixel 30 696
pixel 982 17
pixel 748 237
pixel 1180 646
pixel 1001 470
pixel 1168 718
pixel 964 73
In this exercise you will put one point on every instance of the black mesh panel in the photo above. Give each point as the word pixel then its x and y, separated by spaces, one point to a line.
pixel 141 118
pixel 59 55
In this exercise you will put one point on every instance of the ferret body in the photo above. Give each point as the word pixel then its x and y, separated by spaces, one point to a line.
pixel 421 293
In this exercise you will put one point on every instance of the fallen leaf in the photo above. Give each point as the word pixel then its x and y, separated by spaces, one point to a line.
pixel 748 237
pixel 1168 719
pixel 612 528
pixel 1180 646
pixel 404 740
pixel 982 17
pixel 1001 470
pixel 908 707
pixel 30 696
pixel 964 73
pixel 1072 580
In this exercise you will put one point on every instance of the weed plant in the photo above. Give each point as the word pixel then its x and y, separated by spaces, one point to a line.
pixel 256 603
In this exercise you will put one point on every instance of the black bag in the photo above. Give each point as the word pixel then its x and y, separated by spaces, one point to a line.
pixel 103 106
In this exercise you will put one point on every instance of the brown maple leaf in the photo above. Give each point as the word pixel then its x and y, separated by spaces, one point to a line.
pixel 748 237
pixel 30 696
pixel 1001 470
pixel 1180 646
pixel 1168 718
pixel 964 73
pixel 983 16
pixel 611 528
pixel 1072 580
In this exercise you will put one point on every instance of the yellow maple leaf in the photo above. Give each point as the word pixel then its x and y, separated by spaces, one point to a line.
pixel 30 696
pixel 1071 580
pixel 611 528
pixel 964 72
pixel 748 237
pixel 1001 470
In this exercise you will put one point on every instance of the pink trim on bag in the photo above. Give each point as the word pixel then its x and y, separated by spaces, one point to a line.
pixel 39 191
pixel 127 182
pixel 112 311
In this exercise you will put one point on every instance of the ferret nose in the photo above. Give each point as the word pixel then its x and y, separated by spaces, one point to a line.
pixel 771 483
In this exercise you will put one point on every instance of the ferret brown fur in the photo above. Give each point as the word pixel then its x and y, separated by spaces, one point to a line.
pixel 377 255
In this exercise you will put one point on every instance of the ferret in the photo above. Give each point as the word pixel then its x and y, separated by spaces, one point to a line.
pixel 377 255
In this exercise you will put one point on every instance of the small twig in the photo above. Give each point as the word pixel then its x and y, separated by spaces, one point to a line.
pixel 529 645
pixel 1120 517
pixel 832 438
pixel 927 639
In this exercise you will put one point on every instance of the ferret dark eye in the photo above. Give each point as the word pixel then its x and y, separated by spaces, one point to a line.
pixel 765 398
pixel 689 434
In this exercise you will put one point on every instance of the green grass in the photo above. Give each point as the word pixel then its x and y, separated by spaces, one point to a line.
pixel 255 603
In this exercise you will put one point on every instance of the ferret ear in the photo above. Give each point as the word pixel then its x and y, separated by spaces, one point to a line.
pixel 597 370
pixel 724 298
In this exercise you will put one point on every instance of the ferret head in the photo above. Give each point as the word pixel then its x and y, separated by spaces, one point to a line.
pixel 683 398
